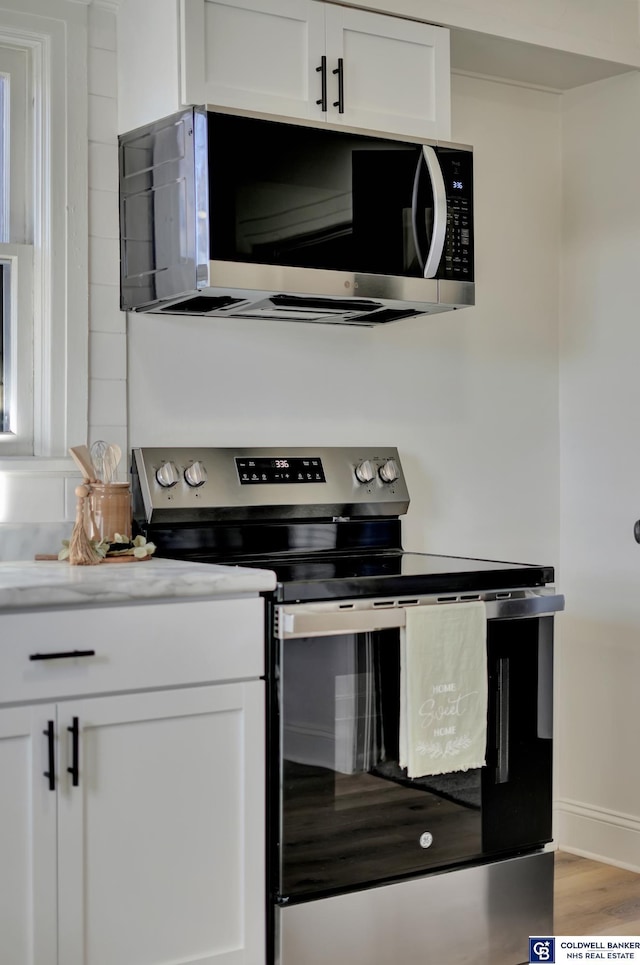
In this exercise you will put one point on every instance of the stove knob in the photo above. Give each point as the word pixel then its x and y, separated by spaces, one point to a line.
pixel 167 475
pixel 389 471
pixel 195 474
pixel 365 471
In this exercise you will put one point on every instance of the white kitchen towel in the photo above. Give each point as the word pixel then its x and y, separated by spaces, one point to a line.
pixel 443 688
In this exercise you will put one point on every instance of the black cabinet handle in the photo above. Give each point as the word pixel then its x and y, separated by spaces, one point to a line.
pixel 340 72
pixel 74 770
pixel 322 70
pixel 62 655
pixel 51 773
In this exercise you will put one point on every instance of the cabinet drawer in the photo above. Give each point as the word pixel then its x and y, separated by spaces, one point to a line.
pixel 135 647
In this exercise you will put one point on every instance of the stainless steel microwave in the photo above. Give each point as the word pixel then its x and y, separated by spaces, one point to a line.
pixel 229 215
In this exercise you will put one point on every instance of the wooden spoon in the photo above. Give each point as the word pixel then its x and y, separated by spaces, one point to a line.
pixel 82 458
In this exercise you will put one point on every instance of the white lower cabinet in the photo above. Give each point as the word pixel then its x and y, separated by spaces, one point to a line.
pixel 146 846
pixel 160 855
pixel 28 886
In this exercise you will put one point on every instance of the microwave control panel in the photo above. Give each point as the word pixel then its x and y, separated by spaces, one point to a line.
pixel 457 171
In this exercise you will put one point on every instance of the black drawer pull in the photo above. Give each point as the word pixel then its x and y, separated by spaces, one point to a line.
pixel 51 773
pixel 62 655
pixel 74 770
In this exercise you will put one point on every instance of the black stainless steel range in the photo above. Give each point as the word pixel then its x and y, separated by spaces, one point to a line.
pixel 389 838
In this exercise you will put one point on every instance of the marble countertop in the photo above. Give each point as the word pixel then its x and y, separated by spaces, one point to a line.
pixel 29 584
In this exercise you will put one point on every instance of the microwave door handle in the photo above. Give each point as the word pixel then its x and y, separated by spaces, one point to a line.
pixel 414 213
pixel 434 170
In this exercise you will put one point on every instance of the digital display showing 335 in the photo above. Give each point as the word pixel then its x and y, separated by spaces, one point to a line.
pixel 285 469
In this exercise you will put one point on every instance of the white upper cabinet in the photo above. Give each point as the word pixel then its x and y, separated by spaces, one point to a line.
pixel 395 73
pixel 317 61
pixel 259 55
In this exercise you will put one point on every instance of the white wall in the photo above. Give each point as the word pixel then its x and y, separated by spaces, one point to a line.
pixel 470 397
pixel 599 780
pixel 107 324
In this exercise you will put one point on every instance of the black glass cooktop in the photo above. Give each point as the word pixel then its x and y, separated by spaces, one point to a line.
pixel 393 572
pixel 329 560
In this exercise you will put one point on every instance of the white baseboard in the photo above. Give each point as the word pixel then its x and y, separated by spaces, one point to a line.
pixel 598 833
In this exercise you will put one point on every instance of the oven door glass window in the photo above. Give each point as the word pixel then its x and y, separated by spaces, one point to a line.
pixel 350 816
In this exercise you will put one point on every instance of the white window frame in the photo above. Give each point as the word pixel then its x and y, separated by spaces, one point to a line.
pixel 53 33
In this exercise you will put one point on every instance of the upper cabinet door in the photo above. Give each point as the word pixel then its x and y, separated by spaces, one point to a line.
pixel 317 61
pixel 257 55
pixel 395 73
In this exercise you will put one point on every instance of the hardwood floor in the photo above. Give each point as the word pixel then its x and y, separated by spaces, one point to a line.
pixel 595 899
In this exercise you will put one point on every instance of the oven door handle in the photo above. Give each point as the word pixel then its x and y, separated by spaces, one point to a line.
pixel 320 620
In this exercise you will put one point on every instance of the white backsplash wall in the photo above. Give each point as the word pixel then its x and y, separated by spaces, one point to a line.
pixel 107 324
pixel 470 398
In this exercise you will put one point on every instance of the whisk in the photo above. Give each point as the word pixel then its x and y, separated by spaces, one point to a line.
pixel 105 457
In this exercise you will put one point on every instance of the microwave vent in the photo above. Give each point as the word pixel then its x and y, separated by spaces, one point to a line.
pixel 306 303
pixel 202 304
pixel 387 315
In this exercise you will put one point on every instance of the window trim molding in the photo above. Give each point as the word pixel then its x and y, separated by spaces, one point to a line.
pixel 55 34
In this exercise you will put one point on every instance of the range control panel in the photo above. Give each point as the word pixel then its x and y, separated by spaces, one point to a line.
pixel 190 484
pixel 257 470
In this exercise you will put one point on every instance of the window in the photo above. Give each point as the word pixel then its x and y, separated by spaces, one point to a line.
pixel 43 233
pixel 16 251
pixel 16 341
pixel 4 147
pixel 5 374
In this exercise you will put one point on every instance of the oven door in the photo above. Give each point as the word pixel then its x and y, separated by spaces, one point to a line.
pixel 343 813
